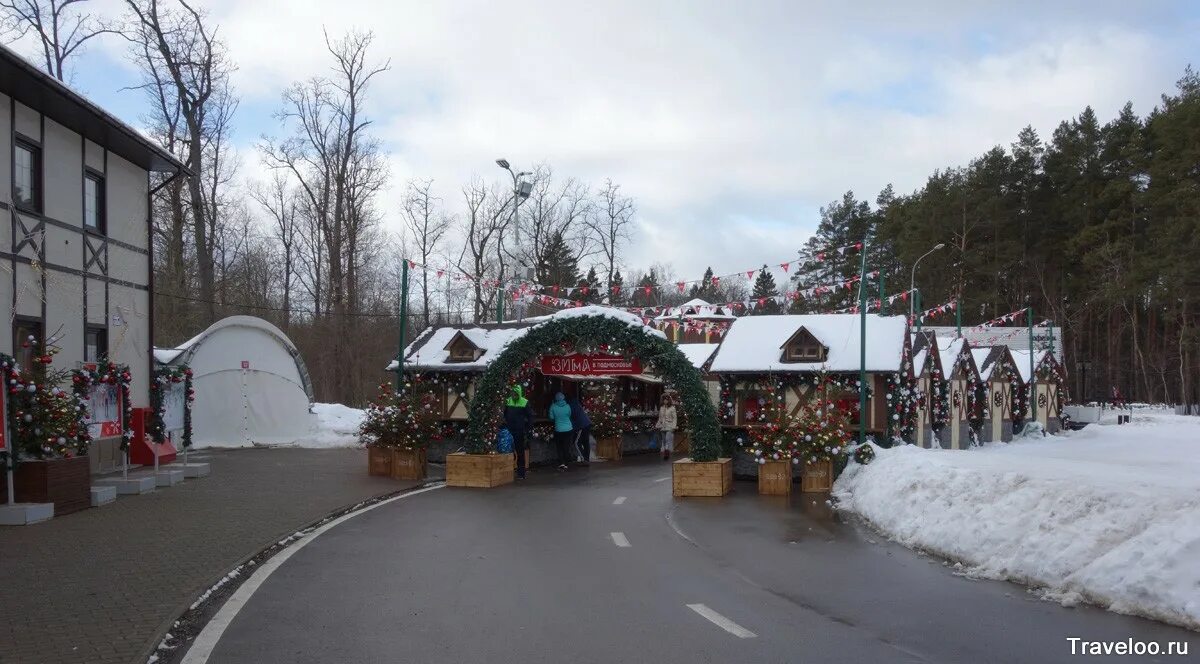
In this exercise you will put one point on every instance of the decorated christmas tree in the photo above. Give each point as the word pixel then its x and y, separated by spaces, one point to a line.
pixel 47 421
pixel 409 419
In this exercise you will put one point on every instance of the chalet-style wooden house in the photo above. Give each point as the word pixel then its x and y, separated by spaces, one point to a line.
pixel 1047 385
pixel 764 356
pixel 1002 380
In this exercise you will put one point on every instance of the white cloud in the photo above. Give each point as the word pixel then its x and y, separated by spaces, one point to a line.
pixel 730 125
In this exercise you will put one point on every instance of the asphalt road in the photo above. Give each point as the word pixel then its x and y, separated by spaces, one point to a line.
pixel 561 569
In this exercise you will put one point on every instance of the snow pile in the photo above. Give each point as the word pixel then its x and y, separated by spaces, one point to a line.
pixel 1109 514
pixel 337 426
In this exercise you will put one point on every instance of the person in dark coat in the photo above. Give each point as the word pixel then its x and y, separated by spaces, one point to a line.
pixel 583 430
pixel 518 419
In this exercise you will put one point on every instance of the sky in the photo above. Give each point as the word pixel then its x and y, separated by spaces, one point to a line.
pixel 730 124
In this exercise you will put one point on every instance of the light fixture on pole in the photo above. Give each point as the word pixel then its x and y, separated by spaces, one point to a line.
pixel 912 281
pixel 521 191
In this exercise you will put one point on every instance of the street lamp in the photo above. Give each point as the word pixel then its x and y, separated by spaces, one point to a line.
pixel 521 191
pixel 912 281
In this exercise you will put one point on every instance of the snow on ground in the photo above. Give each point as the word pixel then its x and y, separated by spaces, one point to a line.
pixel 337 426
pixel 1109 514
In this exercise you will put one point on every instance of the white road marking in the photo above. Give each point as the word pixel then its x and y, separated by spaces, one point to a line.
pixel 619 539
pixel 619 500
pixel 663 479
pixel 722 622
pixel 204 644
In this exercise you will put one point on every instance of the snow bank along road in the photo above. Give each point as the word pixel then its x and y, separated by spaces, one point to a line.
pixel 1109 514
pixel 560 569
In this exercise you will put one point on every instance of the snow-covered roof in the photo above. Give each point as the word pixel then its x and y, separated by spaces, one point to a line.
pixel 1021 357
pixel 948 349
pixel 754 343
pixel 698 354
pixel 980 355
pixel 428 350
pixel 696 308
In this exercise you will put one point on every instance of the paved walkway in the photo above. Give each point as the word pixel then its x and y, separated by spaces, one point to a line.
pixel 99 586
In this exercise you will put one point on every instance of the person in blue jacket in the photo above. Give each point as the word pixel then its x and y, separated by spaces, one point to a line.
pixel 560 415
pixel 518 419
pixel 583 431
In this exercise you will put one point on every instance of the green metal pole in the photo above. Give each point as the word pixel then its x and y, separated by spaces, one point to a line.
pixel 917 311
pixel 958 317
pixel 403 323
pixel 1032 368
pixel 862 348
pixel 500 306
pixel 881 295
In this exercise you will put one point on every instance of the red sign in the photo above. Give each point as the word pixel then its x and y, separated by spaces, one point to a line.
pixel 589 365
pixel 245 364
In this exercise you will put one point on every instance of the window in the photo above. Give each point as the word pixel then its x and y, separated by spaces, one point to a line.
pixel 95 344
pixel 27 176
pixel 23 348
pixel 93 201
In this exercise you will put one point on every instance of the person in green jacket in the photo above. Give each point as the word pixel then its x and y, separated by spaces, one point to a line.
pixel 560 414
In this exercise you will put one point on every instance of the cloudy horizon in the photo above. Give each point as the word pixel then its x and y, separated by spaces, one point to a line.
pixel 730 127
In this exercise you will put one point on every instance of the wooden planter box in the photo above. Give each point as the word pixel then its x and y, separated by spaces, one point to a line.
pixel 65 482
pixel 775 478
pixel 379 461
pixel 701 478
pixel 609 448
pixel 817 477
pixel 408 464
pixel 479 470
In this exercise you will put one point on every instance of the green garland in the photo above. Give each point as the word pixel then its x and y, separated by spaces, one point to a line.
pixel 46 421
pixel 604 333
pixel 156 428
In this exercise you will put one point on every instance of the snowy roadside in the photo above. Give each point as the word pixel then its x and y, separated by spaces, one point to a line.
pixel 333 425
pixel 1108 515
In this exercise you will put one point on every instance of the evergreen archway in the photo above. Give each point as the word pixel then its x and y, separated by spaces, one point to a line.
pixel 587 331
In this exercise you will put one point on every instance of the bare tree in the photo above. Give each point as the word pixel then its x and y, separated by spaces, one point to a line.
pixel 60 26
pixel 486 220
pixel 339 169
pixel 278 199
pixel 552 209
pixel 610 226
pixel 428 224
pixel 185 66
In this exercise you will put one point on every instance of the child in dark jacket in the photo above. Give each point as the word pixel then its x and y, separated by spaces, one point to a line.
pixel 518 419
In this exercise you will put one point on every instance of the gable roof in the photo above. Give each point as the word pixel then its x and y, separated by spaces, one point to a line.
pixel 1041 355
pixel 47 95
pixel 802 334
pixel 950 350
pixel 752 343
pixel 698 354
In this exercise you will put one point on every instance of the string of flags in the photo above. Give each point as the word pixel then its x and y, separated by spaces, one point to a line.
pixel 934 312
pixel 875 303
pixel 996 338
pixel 1006 318
pixel 458 275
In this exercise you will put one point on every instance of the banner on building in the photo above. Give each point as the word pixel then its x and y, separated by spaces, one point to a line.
pixel 590 365
pixel 104 411
pixel 174 405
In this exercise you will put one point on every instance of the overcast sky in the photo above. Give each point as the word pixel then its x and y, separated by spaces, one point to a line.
pixel 729 123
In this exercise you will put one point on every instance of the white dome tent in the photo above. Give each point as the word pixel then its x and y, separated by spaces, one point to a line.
pixel 251 384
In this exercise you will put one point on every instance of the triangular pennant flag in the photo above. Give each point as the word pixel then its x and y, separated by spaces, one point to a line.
pixel 412 265
pixel 680 285
pixel 858 247
pixel 439 273
pixel 716 281
pixel 785 266
pixel 749 274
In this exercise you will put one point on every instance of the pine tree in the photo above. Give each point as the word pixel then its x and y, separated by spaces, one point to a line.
pixel 558 266
pixel 616 290
pixel 594 292
pixel 764 294
pixel 647 293
pixel 705 289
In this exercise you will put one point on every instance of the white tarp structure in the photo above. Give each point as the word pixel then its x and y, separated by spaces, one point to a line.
pixel 251 385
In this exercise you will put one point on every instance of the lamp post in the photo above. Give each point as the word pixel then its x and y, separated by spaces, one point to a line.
pixel 521 191
pixel 912 280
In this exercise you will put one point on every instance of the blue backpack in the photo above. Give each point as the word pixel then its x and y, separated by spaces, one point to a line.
pixel 504 442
